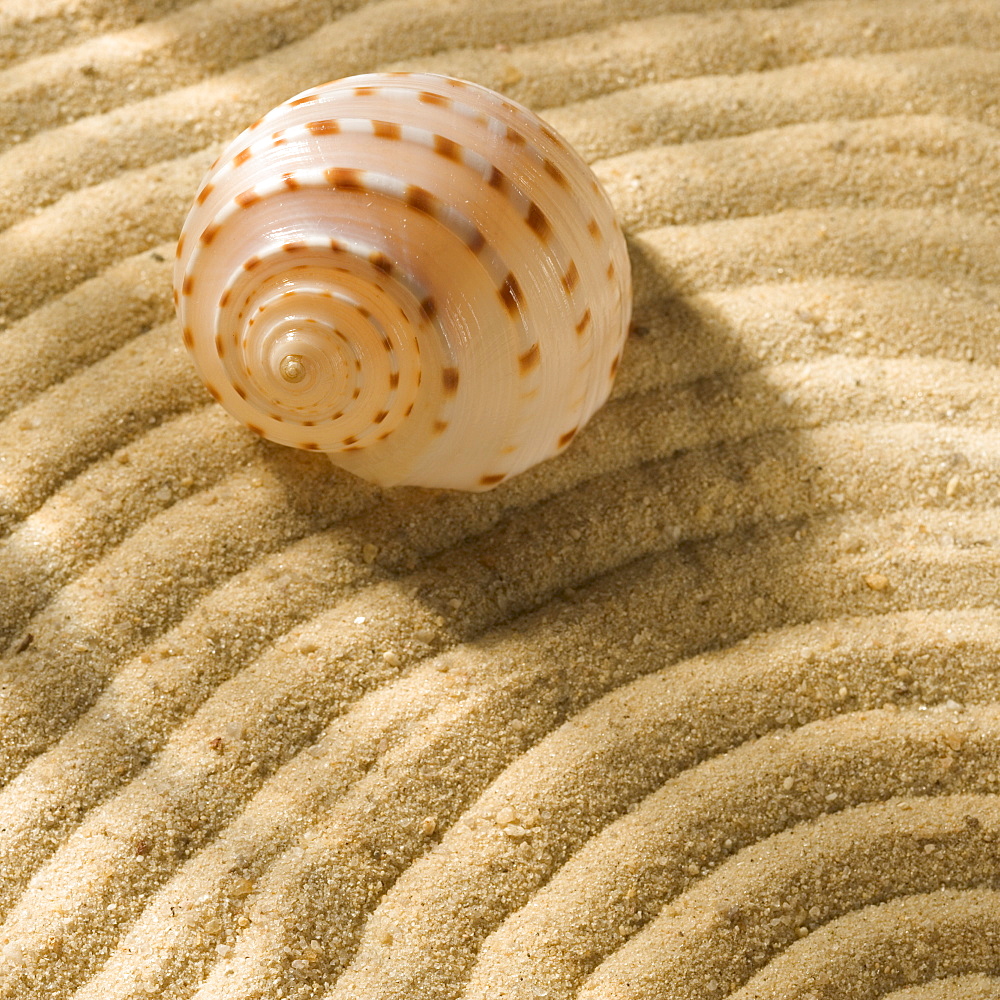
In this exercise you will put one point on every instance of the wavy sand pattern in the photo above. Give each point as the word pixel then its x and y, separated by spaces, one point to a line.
pixel 707 707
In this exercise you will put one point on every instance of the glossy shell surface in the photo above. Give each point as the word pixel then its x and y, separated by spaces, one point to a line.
pixel 409 272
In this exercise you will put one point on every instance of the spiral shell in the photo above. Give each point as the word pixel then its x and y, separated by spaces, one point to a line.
pixel 409 272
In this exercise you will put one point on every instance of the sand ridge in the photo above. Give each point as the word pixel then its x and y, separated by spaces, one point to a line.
pixel 705 707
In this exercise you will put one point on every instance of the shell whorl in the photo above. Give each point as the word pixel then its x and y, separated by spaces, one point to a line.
pixel 409 272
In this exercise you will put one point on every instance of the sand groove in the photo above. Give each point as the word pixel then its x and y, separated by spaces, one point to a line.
pixel 707 707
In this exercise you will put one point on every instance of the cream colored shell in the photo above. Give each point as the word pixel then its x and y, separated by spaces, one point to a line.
pixel 409 272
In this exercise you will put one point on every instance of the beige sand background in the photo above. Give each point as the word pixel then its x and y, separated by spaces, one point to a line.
pixel 709 706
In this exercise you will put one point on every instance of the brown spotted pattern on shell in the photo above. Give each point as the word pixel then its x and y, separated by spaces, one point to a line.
pixel 408 272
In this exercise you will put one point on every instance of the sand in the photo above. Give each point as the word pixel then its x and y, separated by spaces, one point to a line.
pixel 707 707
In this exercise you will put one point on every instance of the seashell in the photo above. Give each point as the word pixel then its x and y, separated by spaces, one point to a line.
pixel 409 272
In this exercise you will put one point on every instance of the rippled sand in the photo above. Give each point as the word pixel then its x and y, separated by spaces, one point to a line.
pixel 707 707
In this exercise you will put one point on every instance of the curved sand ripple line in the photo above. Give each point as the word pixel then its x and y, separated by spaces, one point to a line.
pixel 387 804
pixel 50 24
pixel 706 707
pixel 197 116
pixel 880 851
pixel 643 864
pixel 974 986
pixel 874 950
pixel 88 78
pixel 103 609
